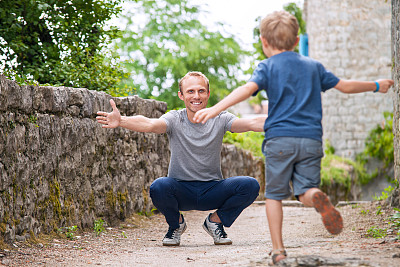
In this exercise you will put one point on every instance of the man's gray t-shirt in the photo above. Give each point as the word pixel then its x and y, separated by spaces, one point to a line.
pixel 196 147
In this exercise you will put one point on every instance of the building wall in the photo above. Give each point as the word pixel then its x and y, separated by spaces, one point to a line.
pixel 352 39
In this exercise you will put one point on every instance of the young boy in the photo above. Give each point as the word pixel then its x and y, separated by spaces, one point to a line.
pixel 293 129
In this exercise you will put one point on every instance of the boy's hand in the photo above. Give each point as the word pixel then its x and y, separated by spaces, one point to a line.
pixel 384 85
pixel 203 115
pixel 109 120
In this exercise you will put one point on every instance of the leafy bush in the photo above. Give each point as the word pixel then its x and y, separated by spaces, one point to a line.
pixel 250 141
pixel 379 143
pixel 98 226
pixel 60 42
pixel 340 170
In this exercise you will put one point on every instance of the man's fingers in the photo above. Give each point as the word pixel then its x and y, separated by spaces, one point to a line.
pixel 102 113
pixel 112 103
pixel 101 120
pixel 198 117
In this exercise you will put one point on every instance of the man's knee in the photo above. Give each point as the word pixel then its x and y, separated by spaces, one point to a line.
pixel 250 185
pixel 254 186
pixel 160 185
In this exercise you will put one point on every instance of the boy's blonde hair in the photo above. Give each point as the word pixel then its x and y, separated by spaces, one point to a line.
pixel 196 74
pixel 280 29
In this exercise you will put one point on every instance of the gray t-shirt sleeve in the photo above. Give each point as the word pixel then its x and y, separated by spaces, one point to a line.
pixel 170 119
pixel 228 118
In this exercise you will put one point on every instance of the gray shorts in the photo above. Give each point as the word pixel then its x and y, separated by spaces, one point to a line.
pixel 291 159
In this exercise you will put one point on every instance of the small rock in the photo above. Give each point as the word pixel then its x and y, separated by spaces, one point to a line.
pixel 397 255
pixel 2 255
pixel 6 262
pixel 19 238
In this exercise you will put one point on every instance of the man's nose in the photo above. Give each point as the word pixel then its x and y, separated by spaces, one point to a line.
pixel 196 94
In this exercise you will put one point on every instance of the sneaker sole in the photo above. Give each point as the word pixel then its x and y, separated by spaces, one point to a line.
pixel 171 245
pixel 216 243
pixel 330 216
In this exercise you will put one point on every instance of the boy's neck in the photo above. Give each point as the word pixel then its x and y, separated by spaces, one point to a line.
pixel 276 52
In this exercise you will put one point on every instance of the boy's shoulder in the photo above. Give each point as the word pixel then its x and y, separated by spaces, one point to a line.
pixel 290 58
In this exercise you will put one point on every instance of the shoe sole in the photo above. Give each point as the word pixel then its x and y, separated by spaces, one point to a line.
pixel 330 216
pixel 175 245
pixel 215 243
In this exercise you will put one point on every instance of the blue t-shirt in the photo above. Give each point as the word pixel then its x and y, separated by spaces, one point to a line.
pixel 293 84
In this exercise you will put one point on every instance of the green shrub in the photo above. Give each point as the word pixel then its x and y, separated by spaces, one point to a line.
pixel 250 141
pixel 98 226
pixel 379 143
pixel 340 170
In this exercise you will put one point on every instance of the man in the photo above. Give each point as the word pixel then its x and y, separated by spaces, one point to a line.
pixel 194 180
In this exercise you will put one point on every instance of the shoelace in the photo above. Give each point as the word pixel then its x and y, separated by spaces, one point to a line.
pixel 171 232
pixel 220 230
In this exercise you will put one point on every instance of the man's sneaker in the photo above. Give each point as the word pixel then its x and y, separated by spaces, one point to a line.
pixel 330 216
pixel 216 231
pixel 173 236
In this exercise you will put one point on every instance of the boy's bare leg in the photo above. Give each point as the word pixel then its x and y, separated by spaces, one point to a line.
pixel 306 198
pixel 275 219
pixel 330 216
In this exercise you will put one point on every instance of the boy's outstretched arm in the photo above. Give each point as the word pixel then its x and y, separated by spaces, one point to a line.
pixel 135 123
pixel 353 87
pixel 238 95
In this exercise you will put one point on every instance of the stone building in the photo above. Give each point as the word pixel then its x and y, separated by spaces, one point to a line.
pixel 352 39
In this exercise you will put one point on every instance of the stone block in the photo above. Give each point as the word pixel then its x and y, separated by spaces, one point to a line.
pixel 43 98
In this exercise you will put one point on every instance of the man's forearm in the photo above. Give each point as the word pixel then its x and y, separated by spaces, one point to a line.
pixel 136 123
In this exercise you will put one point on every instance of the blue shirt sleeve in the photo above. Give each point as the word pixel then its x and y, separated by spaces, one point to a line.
pixel 328 79
pixel 260 77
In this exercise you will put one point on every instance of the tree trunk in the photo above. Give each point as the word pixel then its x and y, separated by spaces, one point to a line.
pixel 395 198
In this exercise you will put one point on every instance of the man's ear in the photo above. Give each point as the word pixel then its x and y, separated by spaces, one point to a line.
pixel 180 95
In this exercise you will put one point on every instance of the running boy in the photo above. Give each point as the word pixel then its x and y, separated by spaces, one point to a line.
pixel 293 129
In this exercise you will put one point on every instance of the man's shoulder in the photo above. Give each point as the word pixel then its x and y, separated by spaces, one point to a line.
pixel 226 114
pixel 175 113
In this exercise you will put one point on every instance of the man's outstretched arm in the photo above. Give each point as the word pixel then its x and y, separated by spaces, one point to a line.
pixel 135 123
pixel 255 124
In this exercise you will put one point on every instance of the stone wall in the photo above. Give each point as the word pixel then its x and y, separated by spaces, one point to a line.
pixel 352 39
pixel 396 76
pixel 59 168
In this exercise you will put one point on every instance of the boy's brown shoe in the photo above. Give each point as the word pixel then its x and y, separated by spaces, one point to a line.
pixel 330 216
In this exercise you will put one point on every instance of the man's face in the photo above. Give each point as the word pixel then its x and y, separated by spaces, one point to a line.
pixel 194 93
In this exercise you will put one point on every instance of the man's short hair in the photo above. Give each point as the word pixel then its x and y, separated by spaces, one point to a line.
pixel 196 74
pixel 280 29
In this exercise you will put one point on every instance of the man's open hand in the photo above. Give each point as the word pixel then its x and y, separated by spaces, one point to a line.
pixel 109 120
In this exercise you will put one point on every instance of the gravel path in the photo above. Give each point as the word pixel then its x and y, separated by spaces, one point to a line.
pixel 137 242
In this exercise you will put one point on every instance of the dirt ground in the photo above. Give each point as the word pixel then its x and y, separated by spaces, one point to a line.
pixel 137 242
